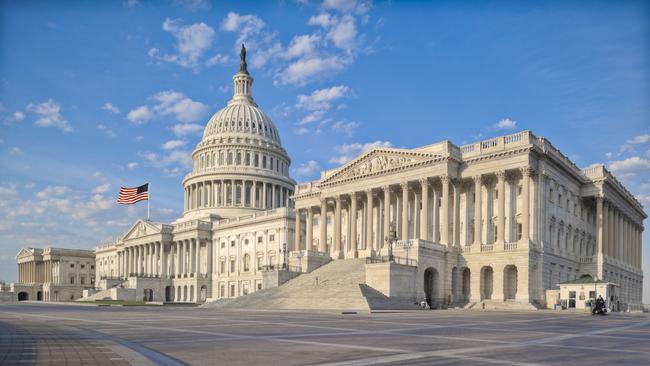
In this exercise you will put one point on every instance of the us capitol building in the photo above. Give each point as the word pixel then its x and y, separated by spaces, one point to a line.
pixel 505 220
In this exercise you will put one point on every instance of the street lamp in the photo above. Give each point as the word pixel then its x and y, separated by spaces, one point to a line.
pixel 390 239
pixel 284 255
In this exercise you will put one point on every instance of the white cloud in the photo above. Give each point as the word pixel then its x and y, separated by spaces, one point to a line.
pixel 172 163
pixel 217 59
pixel 324 20
pixel 634 141
pixel 19 116
pixel 644 199
pixel 169 102
pixel 505 124
pixel 251 31
pixel 106 130
pixel 193 4
pixel 131 3
pixel 140 115
pixel 306 70
pixel 630 166
pixel 102 188
pixel 183 129
pixel 302 45
pixel 192 41
pixel 345 127
pixel 111 108
pixel 15 151
pixel 319 102
pixel 173 144
pixel 52 191
pixel 181 107
pixel 348 6
pixel 49 115
pixel 132 165
pixel 344 33
pixel 307 168
pixel 347 152
pixel 246 26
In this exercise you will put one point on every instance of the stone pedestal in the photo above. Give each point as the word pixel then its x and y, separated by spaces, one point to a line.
pixel 392 279
pixel 307 260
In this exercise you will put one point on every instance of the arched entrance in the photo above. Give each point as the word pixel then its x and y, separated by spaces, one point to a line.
pixel 56 295
pixel 191 293
pixel 185 293
pixel 431 289
pixel 204 293
pixel 487 275
pixel 467 275
pixel 510 282
pixel 178 294
pixel 148 295
pixel 23 296
pixel 39 296
pixel 455 284
pixel 168 294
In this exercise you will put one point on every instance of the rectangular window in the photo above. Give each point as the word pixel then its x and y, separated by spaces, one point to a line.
pixel 232 290
pixel 272 237
pixel 82 280
pixel 259 239
pixel 222 291
pixel 84 266
pixel 222 265
pixel 232 265
pixel 232 243
pixel 72 280
pixel 92 266
pixel 518 231
pixel 259 286
pixel 223 244
pixel 72 265
pixel 259 263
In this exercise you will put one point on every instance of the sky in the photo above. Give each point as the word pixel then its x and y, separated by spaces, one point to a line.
pixel 98 95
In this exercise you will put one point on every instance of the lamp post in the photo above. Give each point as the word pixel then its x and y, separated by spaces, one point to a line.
pixel 390 239
pixel 284 255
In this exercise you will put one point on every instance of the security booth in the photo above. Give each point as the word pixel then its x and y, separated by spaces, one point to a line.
pixel 582 292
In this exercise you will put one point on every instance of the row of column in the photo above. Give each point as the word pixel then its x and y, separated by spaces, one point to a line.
pixel 428 227
pixel 619 237
pixel 27 272
pixel 224 193
pixel 181 258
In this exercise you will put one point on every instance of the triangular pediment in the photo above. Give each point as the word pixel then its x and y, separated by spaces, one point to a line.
pixel 25 252
pixel 142 228
pixel 379 161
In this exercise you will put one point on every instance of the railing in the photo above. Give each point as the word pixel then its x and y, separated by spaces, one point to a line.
pixel 144 275
pixel 586 259
pixel 281 267
pixel 486 247
pixel 510 246
pixel 112 278
pixel 398 260
pixel 467 249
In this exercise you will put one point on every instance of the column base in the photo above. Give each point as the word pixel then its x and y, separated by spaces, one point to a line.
pixel 351 254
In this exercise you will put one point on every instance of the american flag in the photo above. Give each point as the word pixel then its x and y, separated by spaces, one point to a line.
pixel 129 196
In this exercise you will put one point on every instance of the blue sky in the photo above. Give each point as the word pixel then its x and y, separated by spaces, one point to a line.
pixel 94 96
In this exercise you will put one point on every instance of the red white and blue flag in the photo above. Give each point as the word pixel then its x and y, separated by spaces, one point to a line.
pixel 129 196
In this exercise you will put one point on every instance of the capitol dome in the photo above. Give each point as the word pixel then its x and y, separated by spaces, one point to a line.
pixel 240 165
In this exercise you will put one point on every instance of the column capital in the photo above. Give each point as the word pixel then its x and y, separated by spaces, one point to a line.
pixel 526 171
pixel 337 198
pixel 404 185
pixel 477 178
pixel 424 182
pixel 501 175
pixel 353 195
pixel 386 188
pixel 444 178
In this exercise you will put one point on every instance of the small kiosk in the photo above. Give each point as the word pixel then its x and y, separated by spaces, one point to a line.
pixel 581 293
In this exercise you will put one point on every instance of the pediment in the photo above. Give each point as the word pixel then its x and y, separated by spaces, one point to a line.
pixel 379 161
pixel 24 252
pixel 142 228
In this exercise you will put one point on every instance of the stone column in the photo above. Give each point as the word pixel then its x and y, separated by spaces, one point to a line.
pixel 163 260
pixel 336 250
pixel 501 209
pixel 322 241
pixel 264 203
pixel 477 211
pixel 444 215
pixel 273 197
pixel 404 225
pixel 254 194
pixel 386 214
pixel 435 216
pixel 424 217
pixel 197 260
pixel 456 213
pixel 415 215
pixel 369 239
pixel 601 225
pixel 525 205
pixel 310 229
pixel 353 224
pixel 297 230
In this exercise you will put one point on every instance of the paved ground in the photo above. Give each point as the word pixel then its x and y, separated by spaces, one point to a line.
pixel 68 334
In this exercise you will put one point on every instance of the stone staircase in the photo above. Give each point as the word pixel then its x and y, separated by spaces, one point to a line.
pixel 501 305
pixel 339 285
pixel 118 292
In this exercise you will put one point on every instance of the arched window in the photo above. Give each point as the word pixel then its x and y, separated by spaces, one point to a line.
pixel 229 157
pixel 247 263
pixel 257 160
pixel 238 157
pixel 264 162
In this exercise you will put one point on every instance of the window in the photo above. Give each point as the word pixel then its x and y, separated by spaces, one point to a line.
pixel 232 290
pixel 559 200
pixel 232 265
pixel 71 265
pixel 496 194
pixel 223 244
pixel 550 194
pixel 264 162
pixel 259 263
pixel 245 241
pixel 519 190
pixel 92 266
pixel 259 239
pixel 222 266
pixel 259 286
pixel 232 243
pixel 84 266
pixel 519 231
pixel 72 280
pixel 496 232
pixel 272 237
pixel 222 291
pixel 82 280
pixel 247 263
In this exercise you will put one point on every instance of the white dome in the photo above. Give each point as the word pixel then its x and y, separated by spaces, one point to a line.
pixel 240 165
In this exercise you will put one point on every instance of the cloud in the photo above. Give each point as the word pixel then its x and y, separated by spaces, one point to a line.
pixel 306 70
pixel 181 107
pixel 106 130
pixel 307 169
pixel 52 191
pixel 505 124
pixel 319 102
pixel 246 26
pixel 302 45
pixel 49 115
pixel 132 165
pixel 347 152
pixel 15 151
pixel 102 188
pixel 347 6
pixel 630 144
pixel 183 129
pixel 251 30
pixel 217 59
pixel 139 115
pixel 19 116
pixel 345 127
pixel 111 108
pixel 630 166
pixel 192 41
pixel 344 33
pixel 173 144
pixel 131 3
pixel 644 199
pixel 193 4
pixel 172 103
pixel 171 163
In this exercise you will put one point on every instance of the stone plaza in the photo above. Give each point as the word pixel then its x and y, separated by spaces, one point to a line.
pixel 42 334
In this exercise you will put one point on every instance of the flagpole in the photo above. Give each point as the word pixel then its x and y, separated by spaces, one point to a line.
pixel 148 200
